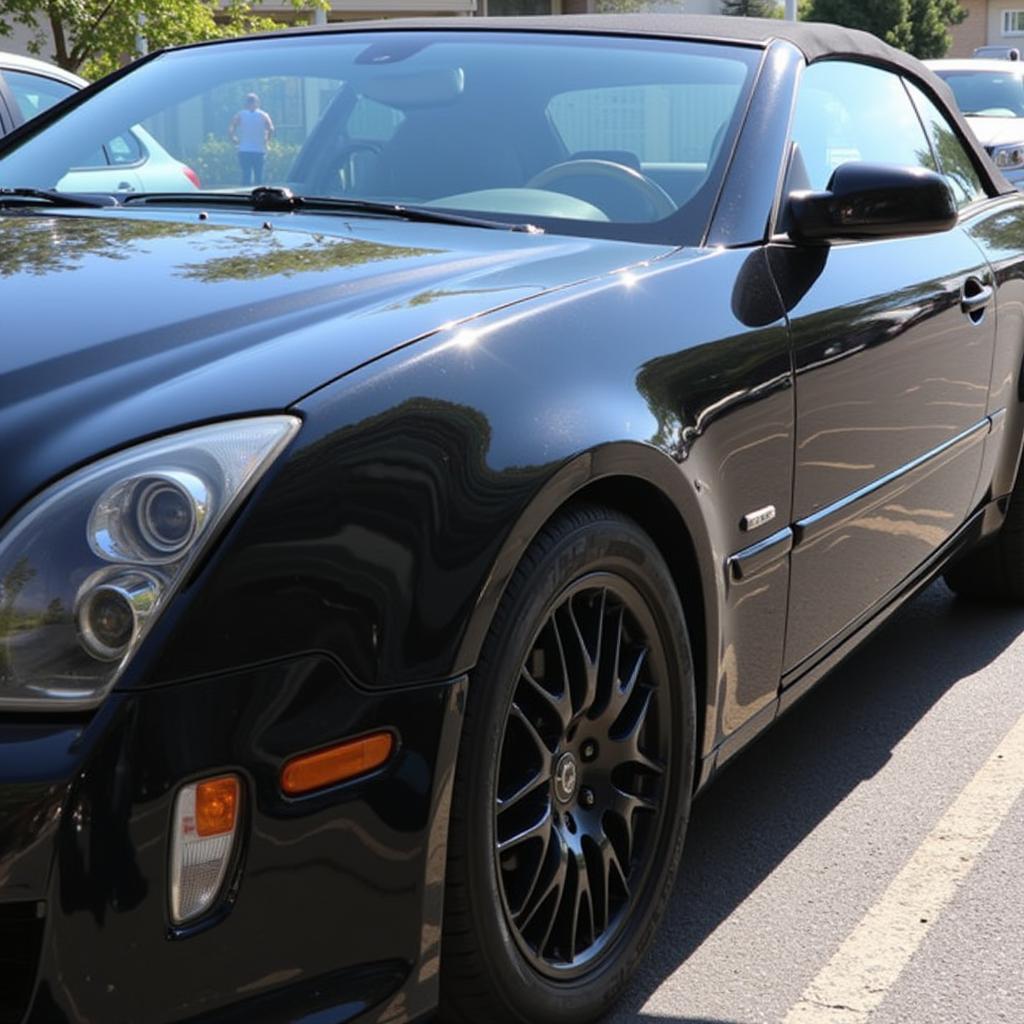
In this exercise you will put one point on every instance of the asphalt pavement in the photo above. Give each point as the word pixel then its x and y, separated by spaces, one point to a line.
pixel 864 861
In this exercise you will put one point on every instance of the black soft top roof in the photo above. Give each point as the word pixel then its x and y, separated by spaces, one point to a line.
pixel 815 40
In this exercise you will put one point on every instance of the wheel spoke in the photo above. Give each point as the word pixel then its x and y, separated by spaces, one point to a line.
pixel 584 900
pixel 508 802
pixel 587 686
pixel 535 877
pixel 610 682
pixel 555 886
pixel 560 704
pixel 627 744
pixel 539 830
pixel 623 690
pixel 610 862
pixel 625 805
pixel 531 730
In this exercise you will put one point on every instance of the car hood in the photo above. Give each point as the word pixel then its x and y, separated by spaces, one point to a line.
pixel 997 131
pixel 118 325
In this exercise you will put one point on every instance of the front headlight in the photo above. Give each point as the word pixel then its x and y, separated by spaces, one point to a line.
pixel 1009 156
pixel 88 565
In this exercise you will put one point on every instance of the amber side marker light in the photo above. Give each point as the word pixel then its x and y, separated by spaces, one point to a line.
pixel 216 806
pixel 202 838
pixel 336 764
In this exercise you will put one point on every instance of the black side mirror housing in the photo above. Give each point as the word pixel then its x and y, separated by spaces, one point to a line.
pixel 873 201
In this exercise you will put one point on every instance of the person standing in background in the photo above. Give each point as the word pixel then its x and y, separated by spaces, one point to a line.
pixel 251 131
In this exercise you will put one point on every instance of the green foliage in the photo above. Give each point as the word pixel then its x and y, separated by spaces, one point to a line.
pixel 93 37
pixel 920 27
pixel 620 6
pixel 216 162
pixel 930 20
pixel 752 8
pixel 887 19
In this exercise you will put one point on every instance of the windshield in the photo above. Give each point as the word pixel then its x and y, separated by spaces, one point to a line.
pixel 596 135
pixel 987 93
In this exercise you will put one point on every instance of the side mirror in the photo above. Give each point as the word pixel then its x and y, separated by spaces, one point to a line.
pixel 873 201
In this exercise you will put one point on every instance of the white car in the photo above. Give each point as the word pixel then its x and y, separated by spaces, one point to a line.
pixel 990 94
pixel 132 162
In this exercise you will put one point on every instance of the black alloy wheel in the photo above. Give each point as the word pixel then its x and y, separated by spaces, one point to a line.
pixel 573 783
pixel 580 775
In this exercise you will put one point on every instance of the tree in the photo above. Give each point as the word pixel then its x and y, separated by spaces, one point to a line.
pixel 919 26
pixel 752 8
pixel 931 20
pixel 887 19
pixel 96 36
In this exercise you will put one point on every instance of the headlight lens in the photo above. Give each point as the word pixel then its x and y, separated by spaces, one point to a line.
pixel 1009 156
pixel 88 565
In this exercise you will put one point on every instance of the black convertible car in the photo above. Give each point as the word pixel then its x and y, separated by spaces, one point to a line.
pixel 391 550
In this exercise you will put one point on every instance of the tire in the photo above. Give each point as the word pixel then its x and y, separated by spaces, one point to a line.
pixel 581 719
pixel 994 572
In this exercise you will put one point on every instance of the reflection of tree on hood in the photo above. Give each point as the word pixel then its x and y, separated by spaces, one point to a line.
pixel 44 245
pixel 11 586
pixel 30 244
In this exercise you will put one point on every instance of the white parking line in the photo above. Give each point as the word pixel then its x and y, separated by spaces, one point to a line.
pixel 857 979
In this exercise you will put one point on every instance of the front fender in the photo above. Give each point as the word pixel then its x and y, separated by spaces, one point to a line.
pixel 387 535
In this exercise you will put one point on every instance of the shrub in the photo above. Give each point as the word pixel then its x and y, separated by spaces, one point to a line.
pixel 216 163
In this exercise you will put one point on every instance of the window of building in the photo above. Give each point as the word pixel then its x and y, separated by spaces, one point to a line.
pixel 1013 22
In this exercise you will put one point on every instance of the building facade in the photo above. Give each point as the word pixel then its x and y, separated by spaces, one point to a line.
pixel 989 23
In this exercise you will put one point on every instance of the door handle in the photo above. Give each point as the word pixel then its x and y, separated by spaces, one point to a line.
pixel 975 297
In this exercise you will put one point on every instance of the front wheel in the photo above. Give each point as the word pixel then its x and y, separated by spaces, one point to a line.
pixel 573 784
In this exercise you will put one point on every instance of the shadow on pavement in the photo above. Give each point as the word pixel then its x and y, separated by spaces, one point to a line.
pixel 842 733
pixel 648 1018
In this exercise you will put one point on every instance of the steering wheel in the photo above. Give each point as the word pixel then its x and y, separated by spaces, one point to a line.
pixel 660 202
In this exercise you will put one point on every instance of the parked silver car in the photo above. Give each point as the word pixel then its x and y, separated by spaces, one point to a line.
pixel 990 94
pixel 132 162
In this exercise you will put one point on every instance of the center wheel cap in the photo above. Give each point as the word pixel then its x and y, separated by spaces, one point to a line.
pixel 567 775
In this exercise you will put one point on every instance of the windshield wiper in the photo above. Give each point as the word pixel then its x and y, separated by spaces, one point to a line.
pixel 283 200
pixel 54 198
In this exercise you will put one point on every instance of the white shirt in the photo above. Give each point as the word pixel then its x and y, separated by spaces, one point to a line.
pixel 251 127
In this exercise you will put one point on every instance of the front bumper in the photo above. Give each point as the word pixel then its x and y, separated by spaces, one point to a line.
pixel 336 906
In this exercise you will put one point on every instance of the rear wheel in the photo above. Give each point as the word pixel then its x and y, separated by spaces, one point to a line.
pixel 573 784
pixel 995 571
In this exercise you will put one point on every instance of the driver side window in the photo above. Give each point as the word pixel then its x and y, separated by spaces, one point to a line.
pixel 849 112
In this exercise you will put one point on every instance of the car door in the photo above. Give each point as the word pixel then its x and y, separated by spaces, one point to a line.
pixel 997 227
pixel 112 167
pixel 893 342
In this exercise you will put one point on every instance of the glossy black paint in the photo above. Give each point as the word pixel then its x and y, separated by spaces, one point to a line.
pixel 325 883
pixel 873 201
pixel 457 387
pixel 889 368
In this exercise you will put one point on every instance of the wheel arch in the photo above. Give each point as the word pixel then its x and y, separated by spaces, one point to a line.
pixel 645 484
